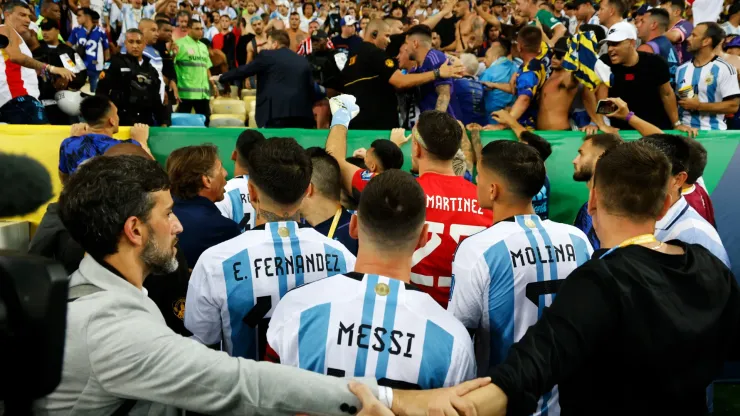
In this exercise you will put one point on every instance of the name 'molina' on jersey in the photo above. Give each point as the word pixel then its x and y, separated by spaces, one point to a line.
pixel 505 276
pixel 236 285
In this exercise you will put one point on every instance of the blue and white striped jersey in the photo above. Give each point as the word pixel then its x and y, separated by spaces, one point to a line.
pixel 236 285
pixel 373 326
pixel 236 204
pixel 712 83
pixel 682 222
pixel 505 276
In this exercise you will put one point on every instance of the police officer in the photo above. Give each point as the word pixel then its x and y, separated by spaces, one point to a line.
pixel 132 83
pixel 373 78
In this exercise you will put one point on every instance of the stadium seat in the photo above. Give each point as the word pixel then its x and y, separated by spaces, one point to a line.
pixel 227 120
pixel 188 120
pixel 249 102
pixel 248 92
pixel 252 122
pixel 228 106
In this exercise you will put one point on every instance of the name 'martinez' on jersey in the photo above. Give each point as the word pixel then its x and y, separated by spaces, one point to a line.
pixel 236 285
pixel 374 326
pixel 505 276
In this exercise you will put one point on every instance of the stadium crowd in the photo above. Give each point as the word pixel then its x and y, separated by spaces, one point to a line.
pixel 443 290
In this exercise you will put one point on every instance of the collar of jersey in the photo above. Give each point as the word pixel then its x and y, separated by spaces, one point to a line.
pixel 300 225
pixel 361 277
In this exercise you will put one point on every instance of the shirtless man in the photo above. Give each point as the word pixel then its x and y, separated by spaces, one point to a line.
pixel 558 94
pixel 295 34
pixel 260 38
pixel 469 29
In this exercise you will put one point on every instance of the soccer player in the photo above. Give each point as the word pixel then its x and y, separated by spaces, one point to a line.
pixel 505 276
pixel 682 222
pixel 235 204
pixel 594 145
pixel 372 322
pixel 236 284
pixel 453 212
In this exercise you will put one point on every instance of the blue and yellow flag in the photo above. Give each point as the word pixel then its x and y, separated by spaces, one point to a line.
pixel 583 61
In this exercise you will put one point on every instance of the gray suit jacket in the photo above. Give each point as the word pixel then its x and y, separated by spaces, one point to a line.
pixel 118 347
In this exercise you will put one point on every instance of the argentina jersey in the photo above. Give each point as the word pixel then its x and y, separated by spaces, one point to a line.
pixel 503 279
pixel 712 83
pixel 236 285
pixel 359 325
pixel 236 204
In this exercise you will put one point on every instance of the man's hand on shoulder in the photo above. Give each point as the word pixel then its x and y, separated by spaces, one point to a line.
pixel 79 129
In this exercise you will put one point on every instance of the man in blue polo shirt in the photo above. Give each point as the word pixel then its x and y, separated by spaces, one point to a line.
pixel 92 44
pixel 440 94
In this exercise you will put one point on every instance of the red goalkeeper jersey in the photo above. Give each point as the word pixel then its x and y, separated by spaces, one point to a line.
pixel 452 215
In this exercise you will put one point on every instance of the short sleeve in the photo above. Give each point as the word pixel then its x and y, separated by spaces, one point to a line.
pixel 728 84
pixel 63 168
pixel 202 314
pixel 462 366
pixel 383 65
pixel 466 293
pixel 547 19
pixel 73 38
pixel 360 179
pixel 526 83
pixel 659 68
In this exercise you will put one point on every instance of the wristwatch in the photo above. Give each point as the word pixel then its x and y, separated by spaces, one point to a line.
pixel 436 73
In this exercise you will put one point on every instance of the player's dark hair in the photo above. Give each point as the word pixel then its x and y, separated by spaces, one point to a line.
pixel 518 164
pixel 326 176
pixel 392 210
pixel 192 21
pixel 94 108
pixel 281 169
pixel 697 160
pixel 542 146
pixel 734 9
pixel 604 141
pixel 295 14
pixel 570 6
pixel 11 5
pixel 389 154
pixel 631 180
pixel 186 167
pixel 134 31
pixel 357 161
pixel 422 31
pixel 678 4
pixel 86 11
pixel 440 134
pixel 95 16
pixel 163 22
pixel 103 193
pixel 281 37
pixel 549 6
pixel 675 147
pixel 713 32
pixel 530 38
pixel 247 140
pixel 661 16
pixel 505 45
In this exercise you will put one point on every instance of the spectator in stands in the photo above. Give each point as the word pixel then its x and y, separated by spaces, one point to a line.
pixel 713 81
pixel 132 13
pixel 347 41
pixel 192 64
pixel 92 42
pixel 95 136
pixel 164 45
pixel 211 25
pixel 49 11
pixel 641 79
pixel 307 14
pixel 693 191
pixel 680 28
pixel 198 180
pixel 499 70
pixel 594 145
pixel 681 222
pixel 258 42
pixel 224 26
pixel 384 154
pixel 285 87
pixel 282 13
pixel 585 12
pixel 612 12
pixel 732 25
pixel 294 32
pixel 224 9
pixel 321 207
pixel 651 30
pixel 469 93
pixel 182 25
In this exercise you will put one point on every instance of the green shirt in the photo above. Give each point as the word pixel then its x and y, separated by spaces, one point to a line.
pixel 546 19
pixel 191 65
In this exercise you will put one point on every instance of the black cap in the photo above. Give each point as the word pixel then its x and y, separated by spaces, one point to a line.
pixel 580 2
pixel 499 3
pixel 318 35
pixel 49 24
pixel 561 45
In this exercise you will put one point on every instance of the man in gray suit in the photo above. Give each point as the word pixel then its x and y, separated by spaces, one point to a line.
pixel 121 358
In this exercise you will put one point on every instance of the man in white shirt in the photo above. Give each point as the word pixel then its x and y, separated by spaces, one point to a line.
pixel 224 9
pixel 732 25
pixel 713 81
pixel 132 13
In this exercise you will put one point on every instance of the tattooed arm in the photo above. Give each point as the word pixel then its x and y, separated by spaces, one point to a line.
pixel 443 97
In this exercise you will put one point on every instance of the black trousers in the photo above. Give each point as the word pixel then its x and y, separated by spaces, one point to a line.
pixel 291 122
pixel 200 106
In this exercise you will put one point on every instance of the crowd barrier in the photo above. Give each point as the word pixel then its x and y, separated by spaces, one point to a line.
pixel 721 176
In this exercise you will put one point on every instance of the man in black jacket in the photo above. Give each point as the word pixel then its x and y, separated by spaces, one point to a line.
pixel 285 87
pixel 132 83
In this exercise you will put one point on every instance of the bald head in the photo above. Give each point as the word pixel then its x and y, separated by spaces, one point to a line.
pixel 127 149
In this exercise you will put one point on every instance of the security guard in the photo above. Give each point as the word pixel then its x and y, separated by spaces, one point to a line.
pixel 373 78
pixel 132 83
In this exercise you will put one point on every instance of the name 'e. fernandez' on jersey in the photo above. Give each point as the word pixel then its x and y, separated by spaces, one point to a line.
pixel 236 204
pixel 236 285
pixel 371 326
pixel 505 276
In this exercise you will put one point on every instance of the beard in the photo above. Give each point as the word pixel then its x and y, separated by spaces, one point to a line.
pixel 583 175
pixel 157 259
